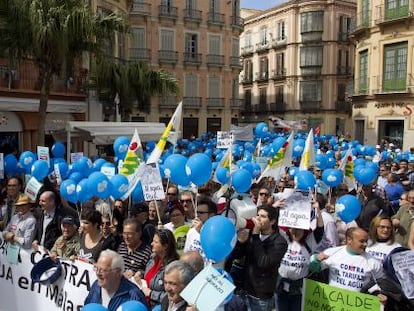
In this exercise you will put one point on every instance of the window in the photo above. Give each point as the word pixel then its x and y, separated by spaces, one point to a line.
pixel 396 9
pixel 262 97
pixel 191 47
pixel 310 91
pixel 280 64
pixel 190 5
pixel 191 85
pixel 248 70
pixel 214 44
pixel 365 13
pixel 213 125
pixel 248 39
pixel 235 47
pixel 311 56
pixel 279 95
pixel 235 89
pixel 167 40
pixel 341 90
pixel 359 130
pixel 363 72
pixel 138 38
pixel 214 86
pixel 248 100
pixel 343 61
pixel 264 67
pixel 395 67
pixel 263 36
pixel 344 27
pixel 311 21
pixel 281 31
pixel 214 6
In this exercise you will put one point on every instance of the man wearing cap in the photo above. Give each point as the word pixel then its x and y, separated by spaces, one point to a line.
pixel 67 245
pixel 21 227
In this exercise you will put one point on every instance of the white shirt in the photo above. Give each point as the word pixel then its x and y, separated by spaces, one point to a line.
pixel 380 250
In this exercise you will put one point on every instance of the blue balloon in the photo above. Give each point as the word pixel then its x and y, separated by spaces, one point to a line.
pixel 257 170
pixel 82 191
pixel 305 180
pixel 241 180
pixel 365 175
pixel 26 160
pixel 83 166
pixel 261 130
pixel 331 162
pixel 97 164
pixel 218 238
pixel 293 170
pixel 10 164
pixel 321 161
pixel 119 185
pixel 198 168
pixel 223 175
pixel 63 167
pixel 58 150
pixel 298 146
pixel 132 305
pixel 121 145
pixel 137 194
pixel 348 208
pixel 76 176
pixel 68 190
pixel 157 308
pixel 98 184
pixel 94 307
pixel 40 169
pixel 332 177
pixel 175 169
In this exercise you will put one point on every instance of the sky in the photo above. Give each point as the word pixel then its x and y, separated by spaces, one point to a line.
pixel 259 4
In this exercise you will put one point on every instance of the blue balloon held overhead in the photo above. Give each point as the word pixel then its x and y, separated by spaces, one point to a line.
pixel 261 130
pixel 174 169
pixel 82 191
pixel 305 180
pixel 40 169
pixel 121 145
pixel 132 305
pixel 10 164
pixel 98 184
pixel 223 174
pixel 58 150
pixel 26 160
pixel 348 208
pixel 68 190
pixel 365 175
pixel 218 238
pixel 241 180
pixel 198 169
pixel 118 186
pixel 332 177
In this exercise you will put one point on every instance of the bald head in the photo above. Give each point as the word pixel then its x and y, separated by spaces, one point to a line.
pixel 194 259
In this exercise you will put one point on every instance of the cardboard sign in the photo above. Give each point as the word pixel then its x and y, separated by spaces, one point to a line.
pixel 296 212
pixel 207 290
pixel 224 139
pixel 319 296
pixel 403 264
pixel 32 188
pixel 75 156
pixel 152 186
pixel 43 154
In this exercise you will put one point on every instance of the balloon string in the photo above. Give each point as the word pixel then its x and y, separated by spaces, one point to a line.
pixel 160 225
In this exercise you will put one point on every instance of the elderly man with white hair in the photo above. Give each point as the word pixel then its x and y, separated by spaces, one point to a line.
pixel 112 289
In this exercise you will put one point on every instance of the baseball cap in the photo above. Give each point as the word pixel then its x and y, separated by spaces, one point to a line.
pixel 70 220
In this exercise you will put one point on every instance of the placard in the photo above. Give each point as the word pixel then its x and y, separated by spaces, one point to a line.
pixel 296 212
pixel 207 290
pixel 225 140
pixel 403 264
pixel 151 182
pixel 32 188
pixel 75 156
pixel 43 154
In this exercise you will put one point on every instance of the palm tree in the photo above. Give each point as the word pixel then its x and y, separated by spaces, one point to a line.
pixel 133 82
pixel 53 33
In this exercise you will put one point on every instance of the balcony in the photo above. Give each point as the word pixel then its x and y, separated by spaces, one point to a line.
pixel 168 102
pixel 167 56
pixel 191 102
pixel 215 102
pixel 140 8
pixel 310 106
pixel 343 70
pixel 343 36
pixel 236 103
pixel 139 54
pixel 235 62
pixel 167 11
pixel 262 76
pixel 390 16
pixel 262 47
pixel 24 79
pixel 343 106
pixel 311 70
pixel 279 74
pixel 361 87
pixel 192 16
pixel 363 22
pixel 215 60
pixel 215 19
pixel 237 22
pixel 247 79
pixel 247 50
pixel 279 43
pixel 381 86
pixel 312 36
pixel 278 107
pixel 192 59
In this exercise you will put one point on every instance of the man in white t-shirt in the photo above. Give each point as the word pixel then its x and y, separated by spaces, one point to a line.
pixel 350 266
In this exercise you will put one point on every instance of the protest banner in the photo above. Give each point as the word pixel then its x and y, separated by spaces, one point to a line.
pixel 20 293
pixel 296 212
pixel 323 297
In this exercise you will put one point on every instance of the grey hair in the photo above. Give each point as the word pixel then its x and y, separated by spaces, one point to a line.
pixel 117 260
pixel 185 270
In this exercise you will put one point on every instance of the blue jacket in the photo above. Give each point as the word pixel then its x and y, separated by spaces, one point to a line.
pixel 127 291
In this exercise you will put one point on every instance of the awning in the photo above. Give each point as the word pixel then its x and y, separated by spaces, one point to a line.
pixel 104 133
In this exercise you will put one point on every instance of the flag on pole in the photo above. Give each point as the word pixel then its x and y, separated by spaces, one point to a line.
pixel 133 164
pixel 308 156
pixel 278 163
pixel 318 129
pixel 174 124
pixel 347 167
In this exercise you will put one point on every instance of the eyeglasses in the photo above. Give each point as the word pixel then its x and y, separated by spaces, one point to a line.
pixel 384 227
pixel 102 271
pixel 263 193
pixel 186 201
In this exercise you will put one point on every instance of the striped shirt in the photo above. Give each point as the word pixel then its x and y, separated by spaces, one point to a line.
pixel 138 259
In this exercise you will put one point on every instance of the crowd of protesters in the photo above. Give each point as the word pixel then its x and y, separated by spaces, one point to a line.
pixel 268 263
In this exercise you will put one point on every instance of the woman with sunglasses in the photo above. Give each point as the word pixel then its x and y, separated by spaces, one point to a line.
pixel 381 237
pixel 164 251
